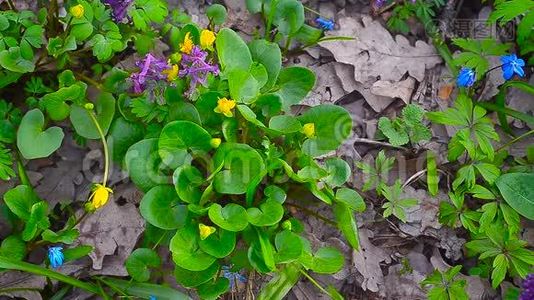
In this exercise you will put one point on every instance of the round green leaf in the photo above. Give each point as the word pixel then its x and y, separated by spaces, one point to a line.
pixel 138 263
pixel 32 141
pixel 216 13
pixel 205 105
pixel 232 51
pixel 160 207
pixel 295 83
pixel 289 16
pixel 191 279
pixel 269 213
pixel 288 246
pixel 243 85
pixel 338 170
pixel 269 55
pixel 219 244
pixel 185 251
pixel 351 198
pixel 123 134
pixel 186 180
pixel 84 125
pixel 143 164
pixel 14 247
pixel 275 193
pixel 518 191
pixel 327 260
pixel 20 201
pixel 12 60
pixel 285 124
pixel 212 291
pixel 241 164
pixel 333 125
pixel 232 217
pixel 259 72
pixel 177 138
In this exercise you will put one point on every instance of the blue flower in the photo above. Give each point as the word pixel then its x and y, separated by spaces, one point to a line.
pixel 152 297
pixel 325 24
pixel 511 65
pixel 466 77
pixel 527 292
pixel 55 256
pixel 233 276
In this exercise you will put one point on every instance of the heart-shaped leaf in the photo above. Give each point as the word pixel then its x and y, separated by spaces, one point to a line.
pixel 295 83
pixel 161 207
pixel 351 198
pixel 288 245
pixel 269 213
pixel 177 138
pixel 232 217
pixel 191 279
pixel 143 164
pixel 32 141
pixel 338 171
pixel 185 250
pixel 139 262
pixel 187 180
pixel 289 16
pixel 84 125
pixel 219 244
pixel 270 56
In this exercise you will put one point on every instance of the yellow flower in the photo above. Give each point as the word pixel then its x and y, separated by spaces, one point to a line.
pixel 215 142
pixel 225 106
pixel 171 73
pixel 205 231
pixel 309 130
pixel 100 196
pixel 77 11
pixel 187 45
pixel 207 38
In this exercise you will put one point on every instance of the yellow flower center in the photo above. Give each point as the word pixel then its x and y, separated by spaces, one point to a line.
pixel 187 45
pixel 207 38
pixel 215 142
pixel 171 73
pixel 205 231
pixel 77 11
pixel 225 106
pixel 100 196
pixel 309 130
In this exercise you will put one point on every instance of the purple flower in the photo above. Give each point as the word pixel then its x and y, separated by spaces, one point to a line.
pixel 150 69
pixel 511 65
pixel 325 24
pixel 379 3
pixel 233 276
pixel 528 288
pixel 119 8
pixel 195 66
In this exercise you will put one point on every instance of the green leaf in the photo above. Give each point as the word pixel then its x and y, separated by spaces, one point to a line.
pixel 232 217
pixel 84 125
pixel 285 124
pixel 289 16
pixel 161 207
pixel 105 46
pixel 34 35
pixel 219 244
pixel 338 172
pixel 518 191
pixel 505 11
pixel 57 46
pixel 38 221
pixel 191 279
pixel 187 180
pixel 177 138
pixel 31 133
pixel 145 290
pixel 347 224
pixel 232 51
pixel 212 290
pixel 64 236
pixel 185 250
pixel 294 85
pixel 269 55
pixel 13 247
pixel 327 260
pixel 12 60
pixel 269 213
pixel 77 252
pixel 249 115
pixel 6 164
pixel 139 261
pixel 281 284
pixel 81 31
pixel 122 135
pixel 143 164
pixel 20 201
pixel 288 246
pixel 241 164
pixel 500 265
pixel 396 135
pixel 333 125
pixel 489 172
pixel 216 13
pixel 243 86
pixel 432 178
pixel 351 198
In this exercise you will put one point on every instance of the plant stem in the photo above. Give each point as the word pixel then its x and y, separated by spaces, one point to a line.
pixel 513 141
pixel 89 80
pixel 12 5
pixel 8 263
pixel 22 172
pixel 104 144
pixel 314 282
pixel 312 213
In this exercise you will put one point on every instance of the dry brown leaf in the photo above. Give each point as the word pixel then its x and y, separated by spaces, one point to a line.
pixel 395 89
pixel 21 285
pixel 367 263
pixel 445 91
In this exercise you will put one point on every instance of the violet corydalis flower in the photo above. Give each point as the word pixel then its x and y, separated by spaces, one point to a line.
pixel 527 293
pixel 119 8
pixel 150 69
pixel 194 66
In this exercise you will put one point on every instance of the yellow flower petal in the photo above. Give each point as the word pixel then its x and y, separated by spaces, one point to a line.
pixel 225 106
pixel 309 130
pixel 187 45
pixel 171 73
pixel 77 11
pixel 207 38
pixel 215 142
pixel 100 196
pixel 205 231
